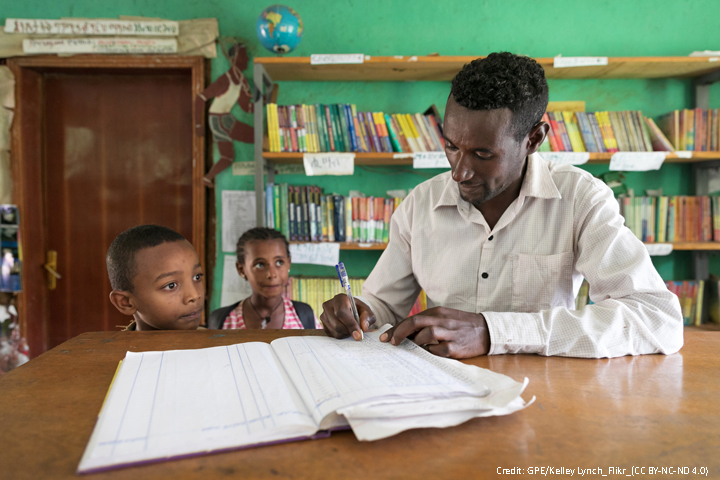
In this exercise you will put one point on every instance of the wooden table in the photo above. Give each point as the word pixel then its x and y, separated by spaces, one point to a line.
pixel 644 412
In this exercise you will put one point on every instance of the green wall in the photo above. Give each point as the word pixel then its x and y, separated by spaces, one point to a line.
pixel 452 27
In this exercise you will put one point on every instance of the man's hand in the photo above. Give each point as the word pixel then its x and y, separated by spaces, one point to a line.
pixel 338 321
pixel 445 332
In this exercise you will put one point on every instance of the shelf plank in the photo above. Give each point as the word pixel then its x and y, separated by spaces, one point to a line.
pixel 696 246
pixel 404 159
pixel 355 245
pixel 438 68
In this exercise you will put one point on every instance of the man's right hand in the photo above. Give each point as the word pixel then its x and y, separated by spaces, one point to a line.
pixel 338 321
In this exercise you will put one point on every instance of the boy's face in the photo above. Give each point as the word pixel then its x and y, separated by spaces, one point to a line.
pixel 266 266
pixel 168 290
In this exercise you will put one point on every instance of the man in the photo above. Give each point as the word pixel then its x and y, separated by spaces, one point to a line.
pixel 501 243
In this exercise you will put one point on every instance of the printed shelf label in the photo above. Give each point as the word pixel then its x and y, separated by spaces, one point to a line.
pixel 100 45
pixel 430 160
pixel 323 253
pixel 91 27
pixel 658 249
pixel 637 161
pixel 566 62
pixel 329 164
pixel 566 158
pixel 335 59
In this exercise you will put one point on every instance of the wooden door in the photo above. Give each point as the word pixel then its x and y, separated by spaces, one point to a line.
pixel 117 149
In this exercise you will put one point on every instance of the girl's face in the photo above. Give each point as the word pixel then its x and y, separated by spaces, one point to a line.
pixel 266 266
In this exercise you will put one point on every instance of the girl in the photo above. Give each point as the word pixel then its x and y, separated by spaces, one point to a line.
pixel 263 258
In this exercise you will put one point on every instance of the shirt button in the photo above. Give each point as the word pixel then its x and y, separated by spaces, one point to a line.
pixel 484 275
pixel 490 237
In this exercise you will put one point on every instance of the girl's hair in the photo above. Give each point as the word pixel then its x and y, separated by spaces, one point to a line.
pixel 259 233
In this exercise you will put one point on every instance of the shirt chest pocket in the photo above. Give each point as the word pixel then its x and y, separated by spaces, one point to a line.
pixel 540 282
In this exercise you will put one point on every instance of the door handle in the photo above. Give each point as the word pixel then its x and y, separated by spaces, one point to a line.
pixel 51 266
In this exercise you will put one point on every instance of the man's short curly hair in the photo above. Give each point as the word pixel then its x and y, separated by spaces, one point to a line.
pixel 120 259
pixel 504 80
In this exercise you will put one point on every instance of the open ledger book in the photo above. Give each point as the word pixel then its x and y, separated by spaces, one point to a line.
pixel 188 402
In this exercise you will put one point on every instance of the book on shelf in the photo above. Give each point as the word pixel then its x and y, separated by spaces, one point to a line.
pixel 692 129
pixel 306 214
pixel 316 290
pixel 691 294
pixel 342 128
pixel 600 132
pixel 672 219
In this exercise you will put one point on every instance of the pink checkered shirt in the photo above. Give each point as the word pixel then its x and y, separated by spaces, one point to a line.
pixel 292 321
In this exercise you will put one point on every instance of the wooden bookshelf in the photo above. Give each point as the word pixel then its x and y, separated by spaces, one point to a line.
pixel 707 246
pixel 356 245
pixel 699 246
pixel 439 68
pixel 404 159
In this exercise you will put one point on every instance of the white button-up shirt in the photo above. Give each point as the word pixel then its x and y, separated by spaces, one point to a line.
pixel 524 274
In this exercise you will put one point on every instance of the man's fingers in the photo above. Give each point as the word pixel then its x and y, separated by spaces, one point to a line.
pixel 442 349
pixel 344 318
pixel 410 326
pixel 433 334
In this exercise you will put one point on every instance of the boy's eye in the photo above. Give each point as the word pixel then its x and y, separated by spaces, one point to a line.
pixel 279 263
pixel 199 277
pixel 171 286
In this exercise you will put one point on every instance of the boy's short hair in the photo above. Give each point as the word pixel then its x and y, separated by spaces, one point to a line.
pixel 120 259
pixel 259 233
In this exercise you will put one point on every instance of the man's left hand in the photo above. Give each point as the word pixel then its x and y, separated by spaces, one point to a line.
pixel 445 332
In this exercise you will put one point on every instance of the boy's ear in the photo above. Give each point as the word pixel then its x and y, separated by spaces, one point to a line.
pixel 123 301
pixel 241 270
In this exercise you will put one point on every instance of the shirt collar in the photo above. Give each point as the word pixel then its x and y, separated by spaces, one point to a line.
pixel 538 182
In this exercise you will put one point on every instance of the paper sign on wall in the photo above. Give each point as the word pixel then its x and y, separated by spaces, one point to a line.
pixel 430 160
pixel 329 163
pixel 330 59
pixel 565 62
pixel 659 249
pixel 234 288
pixel 566 158
pixel 637 161
pixel 91 27
pixel 100 45
pixel 324 253
pixel 238 215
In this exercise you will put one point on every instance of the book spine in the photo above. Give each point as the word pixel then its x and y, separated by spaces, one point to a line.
pixel 597 132
pixel 348 219
pixel 586 132
pixel 356 218
pixel 292 224
pixel 394 139
pixel 312 210
pixel 436 131
pixel 573 132
pixel 330 133
pixel 269 205
pixel 351 125
pixel 400 120
pixel 331 218
pixel 276 207
pixel 370 125
pixel 336 128
pixel 550 134
pixel 359 130
pixel 386 220
pixel 416 133
pixel 344 127
pixel 563 132
pixel 284 218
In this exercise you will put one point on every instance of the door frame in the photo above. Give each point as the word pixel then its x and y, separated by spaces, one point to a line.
pixel 27 170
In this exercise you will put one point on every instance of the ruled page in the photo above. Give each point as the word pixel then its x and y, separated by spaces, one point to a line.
pixel 331 374
pixel 184 402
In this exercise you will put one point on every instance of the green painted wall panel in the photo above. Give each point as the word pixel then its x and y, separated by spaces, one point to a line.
pixel 456 27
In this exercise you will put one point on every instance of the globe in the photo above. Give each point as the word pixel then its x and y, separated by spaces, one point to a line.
pixel 279 29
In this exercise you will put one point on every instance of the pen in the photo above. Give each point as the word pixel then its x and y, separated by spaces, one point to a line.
pixel 345 282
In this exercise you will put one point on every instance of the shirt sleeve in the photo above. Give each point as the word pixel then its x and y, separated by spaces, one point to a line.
pixel 633 312
pixel 391 289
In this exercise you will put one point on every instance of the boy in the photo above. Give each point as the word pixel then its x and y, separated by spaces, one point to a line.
pixel 156 277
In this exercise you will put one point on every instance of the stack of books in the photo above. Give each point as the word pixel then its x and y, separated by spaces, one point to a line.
pixel 695 130
pixel 672 219
pixel 690 293
pixel 341 128
pixel 306 214
pixel 627 131
pixel 316 290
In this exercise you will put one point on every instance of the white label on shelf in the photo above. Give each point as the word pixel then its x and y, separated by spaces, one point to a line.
pixel 683 153
pixel 92 27
pixel 430 160
pixel 365 245
pixel 325 253
pixel 329 163
pixel 713 59
pixel 334 58
pixel 565 62
pixel 402 155
pixel 567 158
pixel 656 249
pixel 637 161
pixel 100 45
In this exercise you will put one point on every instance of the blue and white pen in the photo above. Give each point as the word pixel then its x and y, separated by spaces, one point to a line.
pixel 345 282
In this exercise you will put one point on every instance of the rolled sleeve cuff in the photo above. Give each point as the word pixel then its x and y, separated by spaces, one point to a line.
pixel 515 333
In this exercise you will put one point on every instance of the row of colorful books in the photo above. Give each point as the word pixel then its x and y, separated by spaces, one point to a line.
pixel 341 128
pixel 305 213
pixel 627 131
pixel 672 219
pixel 316 290
pixel 697 130
pixel 691 294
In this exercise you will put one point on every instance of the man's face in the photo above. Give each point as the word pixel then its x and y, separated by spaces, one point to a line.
pixel 484 156
pixel 168 290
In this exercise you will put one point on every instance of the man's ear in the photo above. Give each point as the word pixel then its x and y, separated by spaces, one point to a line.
pixel 123 301
pixel 537 137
